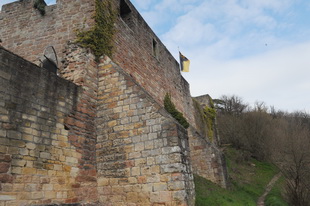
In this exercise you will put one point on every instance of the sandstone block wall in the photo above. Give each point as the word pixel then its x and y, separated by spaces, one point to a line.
pixel 104 142
pixel 136 49
pixel 40 160
pixel 81 69
pixel 105 130
pixel 143 154
pixel 142 54
pixel 27 33
pixel 207 160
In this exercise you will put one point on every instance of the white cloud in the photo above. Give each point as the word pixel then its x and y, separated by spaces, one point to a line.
pixel 280 77
pixel 230 28
pixel 162 14
pixel 143 4
pixel 191 31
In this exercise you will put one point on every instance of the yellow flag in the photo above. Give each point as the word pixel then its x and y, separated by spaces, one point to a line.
pixel 184 62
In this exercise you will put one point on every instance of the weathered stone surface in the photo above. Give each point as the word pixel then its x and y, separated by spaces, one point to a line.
pixel 148 168
pixel 103 138
pixel 6 178
pixel 38 159
pixel 7 197
pixel 4 167
pixel 5 157
pixel 207 160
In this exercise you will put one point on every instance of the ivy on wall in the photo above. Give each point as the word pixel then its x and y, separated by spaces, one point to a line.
pixel 100 37
pixel 40 6
pixel 170 107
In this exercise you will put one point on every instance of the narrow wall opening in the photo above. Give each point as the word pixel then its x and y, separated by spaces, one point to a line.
pixel 125 13
pixel 155 48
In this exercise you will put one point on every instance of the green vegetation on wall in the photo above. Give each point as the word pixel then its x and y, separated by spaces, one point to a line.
pixel 40 6
pixel 206 118
pixel 170 107
pixel 100 37
pixel 209 116
pixel 199 117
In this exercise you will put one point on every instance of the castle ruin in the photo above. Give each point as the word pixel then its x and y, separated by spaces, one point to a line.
pixel 97 133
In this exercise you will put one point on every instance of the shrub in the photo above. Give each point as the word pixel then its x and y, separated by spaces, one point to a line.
pixel 40 6
pixel 170 107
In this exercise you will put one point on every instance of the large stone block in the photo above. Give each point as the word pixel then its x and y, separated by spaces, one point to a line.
pixel 4 167
pixel 6 178
pixel 7 197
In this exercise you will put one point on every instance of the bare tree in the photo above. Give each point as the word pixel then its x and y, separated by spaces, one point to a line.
pixel 294 161
pixel 277 136
pixel 260 107
pixel 232 105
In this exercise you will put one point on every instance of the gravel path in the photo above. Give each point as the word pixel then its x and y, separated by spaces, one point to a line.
pixel 261 199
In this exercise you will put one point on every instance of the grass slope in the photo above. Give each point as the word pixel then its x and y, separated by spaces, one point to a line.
pixel 248 178
pixel 274 198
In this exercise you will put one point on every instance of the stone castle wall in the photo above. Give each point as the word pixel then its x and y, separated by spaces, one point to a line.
pixel 207 160
pixel 27 33
pixel 103 139
pixel 41 161
pixel 137 49
pixel 143 154
pixel 141 53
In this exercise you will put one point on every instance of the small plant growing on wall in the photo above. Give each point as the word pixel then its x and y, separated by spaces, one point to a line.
pixel 100 37
pixel 40 6
pixel 170 107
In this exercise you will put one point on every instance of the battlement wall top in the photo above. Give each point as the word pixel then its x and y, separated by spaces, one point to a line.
pixel 17 6
pixel 27 33
pixel 142 54
pixel 22 6
pixel 137 48
pixel 13 6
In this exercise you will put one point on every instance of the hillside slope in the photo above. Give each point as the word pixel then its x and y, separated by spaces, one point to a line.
pixel 248 179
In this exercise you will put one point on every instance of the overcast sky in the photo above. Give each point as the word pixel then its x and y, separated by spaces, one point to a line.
pixel 256 49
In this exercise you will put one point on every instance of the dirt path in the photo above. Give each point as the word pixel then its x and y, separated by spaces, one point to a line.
pixel 261 199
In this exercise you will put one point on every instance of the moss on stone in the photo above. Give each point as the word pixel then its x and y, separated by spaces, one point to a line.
pixel 170 107
pixel 209 116
pixel 100 37
pixel 40 6
pixel 205 118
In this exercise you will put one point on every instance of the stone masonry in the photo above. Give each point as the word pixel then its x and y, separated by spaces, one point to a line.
pixel 143 154
pixel 96 134
pixel 40 160
pixel 207 160
pixel 25 32
pixel 139 156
